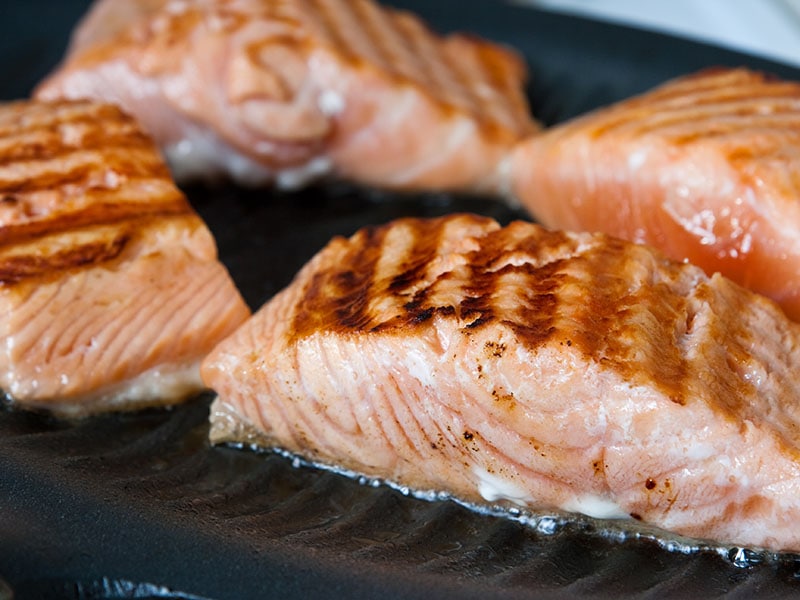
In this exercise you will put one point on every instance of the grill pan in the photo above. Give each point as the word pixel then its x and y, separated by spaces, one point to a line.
pixel 139 505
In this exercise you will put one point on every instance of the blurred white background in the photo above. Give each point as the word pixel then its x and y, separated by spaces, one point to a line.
pixel 766 28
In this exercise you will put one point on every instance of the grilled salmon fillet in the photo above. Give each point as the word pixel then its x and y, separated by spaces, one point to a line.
pixel 519 366
pixel 289 90
pixel 110 288
pixel 705 167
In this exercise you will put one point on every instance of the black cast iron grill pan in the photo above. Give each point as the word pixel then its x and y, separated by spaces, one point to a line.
pixel 140 505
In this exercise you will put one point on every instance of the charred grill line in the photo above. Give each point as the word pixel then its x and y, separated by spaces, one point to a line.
pixel 383 33
pixel 68 112
pixel 16 268
pixel 735 121
pixel 82 174
pixel 318 11
pixel 535 321
pixel 463 96
pixel 612 316
pixel 746 95
pixel 94 215
pixel 360 13
pixel 338 15
pixel 427 240
pixel 493 75
pixel 339 298
pixel 424 50
pixel 608 311
pixel 52 147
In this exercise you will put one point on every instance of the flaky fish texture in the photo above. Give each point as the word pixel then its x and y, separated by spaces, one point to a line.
pixel 705 167
pixel 110 288
pixel 524 367
pixel 290 90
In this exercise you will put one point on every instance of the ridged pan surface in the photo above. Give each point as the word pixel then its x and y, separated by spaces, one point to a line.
pixel 141 506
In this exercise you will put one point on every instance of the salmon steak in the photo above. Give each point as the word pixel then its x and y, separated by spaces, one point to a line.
pixel 521 367
pixel 110 288
pixel 705 167
pixel 286 91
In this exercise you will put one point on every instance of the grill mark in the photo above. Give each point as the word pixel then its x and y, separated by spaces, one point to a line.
pixel 43 144
pixel 106 213
pixel 108 121
pixel 53 149
pixel 652 111
pixel 359 47
pixel 362 16
pixel 461 77
pixel 394 45
pixel 517 103
pixel 777 93
pixel 428 241
pixel 535 322
pixel 18 268
pixel 596 317
pixel 337 299
pixel 494 110
pixel 502 105
pixel 314 11
pixel 602 301
pixel 345 295
pixel 728 118
pixel 347 48
pixel 135 167
pixel 27 117
pixel 728 392
pixel 487 74
pixel 692 97
pixel 31 116
pixel 426 51
pixel 740 146
pixel 611 332
pixel 416 50
pixel 697 83
pixel 480 290
pixel 505 105
pixel 714 82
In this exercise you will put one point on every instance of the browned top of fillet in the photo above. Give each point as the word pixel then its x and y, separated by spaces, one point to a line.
pixel 460 72
pixel 78 182
pixel 748 113
pixel 621 305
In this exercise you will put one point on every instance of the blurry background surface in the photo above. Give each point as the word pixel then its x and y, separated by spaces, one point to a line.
pixel 766 28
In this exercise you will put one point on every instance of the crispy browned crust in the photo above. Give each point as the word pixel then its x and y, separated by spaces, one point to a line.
pixel 79 182
pixel 621 305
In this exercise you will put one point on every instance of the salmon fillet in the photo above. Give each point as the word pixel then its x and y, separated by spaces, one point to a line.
pixel 705 167
pixel 290 90
pixel 524 367
pixel 110 288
